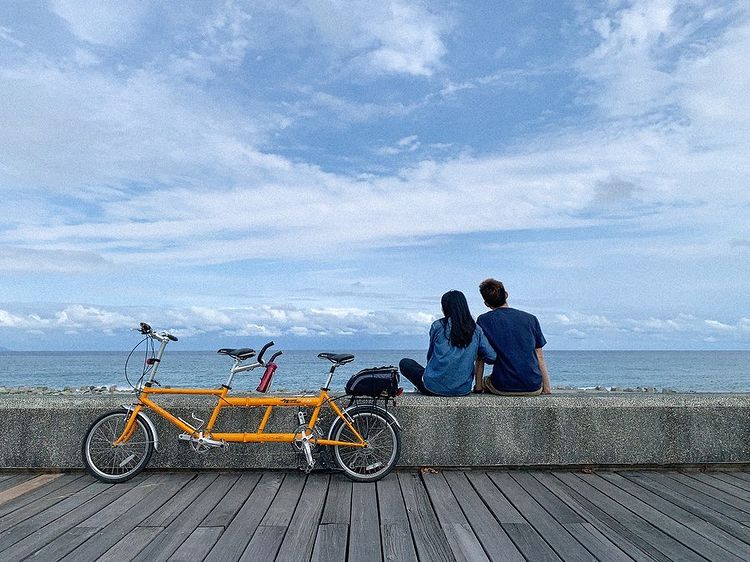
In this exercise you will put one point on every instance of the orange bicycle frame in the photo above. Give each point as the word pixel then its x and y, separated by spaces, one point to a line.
pixel 225 401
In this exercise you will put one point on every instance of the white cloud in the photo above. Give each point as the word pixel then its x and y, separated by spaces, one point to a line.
pixel 393 36
pixel 40 260
pixel 252 321
pixel 403 145
pixel 409 42
pixel 719 326
pixel 6 34
pixel 578 319
pixel 102 22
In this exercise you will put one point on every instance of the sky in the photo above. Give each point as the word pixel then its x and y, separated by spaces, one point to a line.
pixel 321 172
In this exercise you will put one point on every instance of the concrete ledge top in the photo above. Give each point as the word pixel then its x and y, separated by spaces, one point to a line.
pixel 558 400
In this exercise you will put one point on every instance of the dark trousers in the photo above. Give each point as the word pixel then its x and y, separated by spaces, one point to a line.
pixel 414 371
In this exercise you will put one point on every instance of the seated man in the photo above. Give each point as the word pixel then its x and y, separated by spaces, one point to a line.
pixel 517 339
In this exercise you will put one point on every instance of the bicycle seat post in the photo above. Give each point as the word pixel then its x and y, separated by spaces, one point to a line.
pixel 330 376
pixel 232 370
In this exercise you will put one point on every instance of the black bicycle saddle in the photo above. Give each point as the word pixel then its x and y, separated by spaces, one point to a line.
pixel 240 353
pixel 338 358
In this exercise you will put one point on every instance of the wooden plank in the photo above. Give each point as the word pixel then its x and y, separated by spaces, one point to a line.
pixel 283 505
pixel 27 486
pixel 168 512
pixel 364 529
pixel 300 537
pixel 198 544
pixel 721 495
pixel 73 538
pixel 230 504
pixel 596 542
pixel 61 545
pixel 125 524
pixel 498 504
pixel 523 535
pixel 168 541
pixel 689 519
pixel 650 539
pixel 133 498
pixel 330 542
pixel 15 480
pixel 742 475
pixel 265 543
pixel 429 538
pixel 732 478
pixel 395 533
pixel 461 538
pixel 237 535
pixel 338 504
pixel 49 488
pixel 715 518
pixel 558 509
pixel 685 536
pixel 494 539
pixel 37 506
pixel 47 516
pixel 89 502
pixel 667 481
pixel 596 518
pixel 713 480
pixel 130 545
pixel 583 532
pixel 529 542
pixel 561 541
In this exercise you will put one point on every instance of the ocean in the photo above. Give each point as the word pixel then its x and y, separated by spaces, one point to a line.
pixel 700 371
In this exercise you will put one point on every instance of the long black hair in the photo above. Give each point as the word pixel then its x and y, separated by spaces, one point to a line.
pixel 456 309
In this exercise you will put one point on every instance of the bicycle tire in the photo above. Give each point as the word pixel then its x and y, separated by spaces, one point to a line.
pixel 116 463
pixel 384 447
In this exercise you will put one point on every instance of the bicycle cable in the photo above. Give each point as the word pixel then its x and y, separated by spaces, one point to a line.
pixel 128 360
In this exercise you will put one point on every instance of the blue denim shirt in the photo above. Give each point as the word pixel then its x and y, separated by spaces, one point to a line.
pixel 450 369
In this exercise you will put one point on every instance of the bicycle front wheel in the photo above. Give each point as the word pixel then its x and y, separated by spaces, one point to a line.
pixel 378 457
pixel 116 463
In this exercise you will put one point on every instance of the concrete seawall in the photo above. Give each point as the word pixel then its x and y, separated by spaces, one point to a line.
pixel 566 429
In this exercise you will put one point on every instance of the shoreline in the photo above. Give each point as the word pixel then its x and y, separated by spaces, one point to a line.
pixel 117 390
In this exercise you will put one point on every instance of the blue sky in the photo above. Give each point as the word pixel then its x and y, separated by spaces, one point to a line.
pixel 321 172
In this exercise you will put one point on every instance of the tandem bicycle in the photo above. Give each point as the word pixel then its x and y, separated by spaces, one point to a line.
pixel 364 438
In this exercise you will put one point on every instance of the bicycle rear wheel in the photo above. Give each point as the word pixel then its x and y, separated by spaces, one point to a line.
pixel 116 463
pixel 379 457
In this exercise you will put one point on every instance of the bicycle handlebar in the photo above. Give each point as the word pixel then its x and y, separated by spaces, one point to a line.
pixel 146 330
pixel 263 349
pixel 274 356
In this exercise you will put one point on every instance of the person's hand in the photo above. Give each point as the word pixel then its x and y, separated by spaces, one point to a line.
pixel 478 389
pixel 546 390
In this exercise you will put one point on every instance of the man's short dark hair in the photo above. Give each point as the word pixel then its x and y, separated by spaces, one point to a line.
pixel 493 293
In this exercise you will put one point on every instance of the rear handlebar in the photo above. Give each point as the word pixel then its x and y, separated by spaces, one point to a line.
pixel 274 356
pixel 262 351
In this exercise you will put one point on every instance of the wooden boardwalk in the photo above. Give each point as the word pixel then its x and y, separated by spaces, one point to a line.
pixel 450 515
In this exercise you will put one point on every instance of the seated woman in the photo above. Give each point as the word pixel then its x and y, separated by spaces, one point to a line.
pixel 455 342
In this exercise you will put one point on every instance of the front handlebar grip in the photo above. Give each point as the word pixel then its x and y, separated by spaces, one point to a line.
pixel 171 337
pixel 274 356
pixel 262 351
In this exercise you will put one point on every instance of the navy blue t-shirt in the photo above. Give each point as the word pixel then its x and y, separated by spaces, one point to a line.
pixel 515 335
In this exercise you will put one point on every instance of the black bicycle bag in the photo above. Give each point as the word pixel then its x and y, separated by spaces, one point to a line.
pixel 375 382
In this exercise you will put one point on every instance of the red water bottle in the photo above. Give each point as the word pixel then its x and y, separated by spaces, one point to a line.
pixel 265 380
